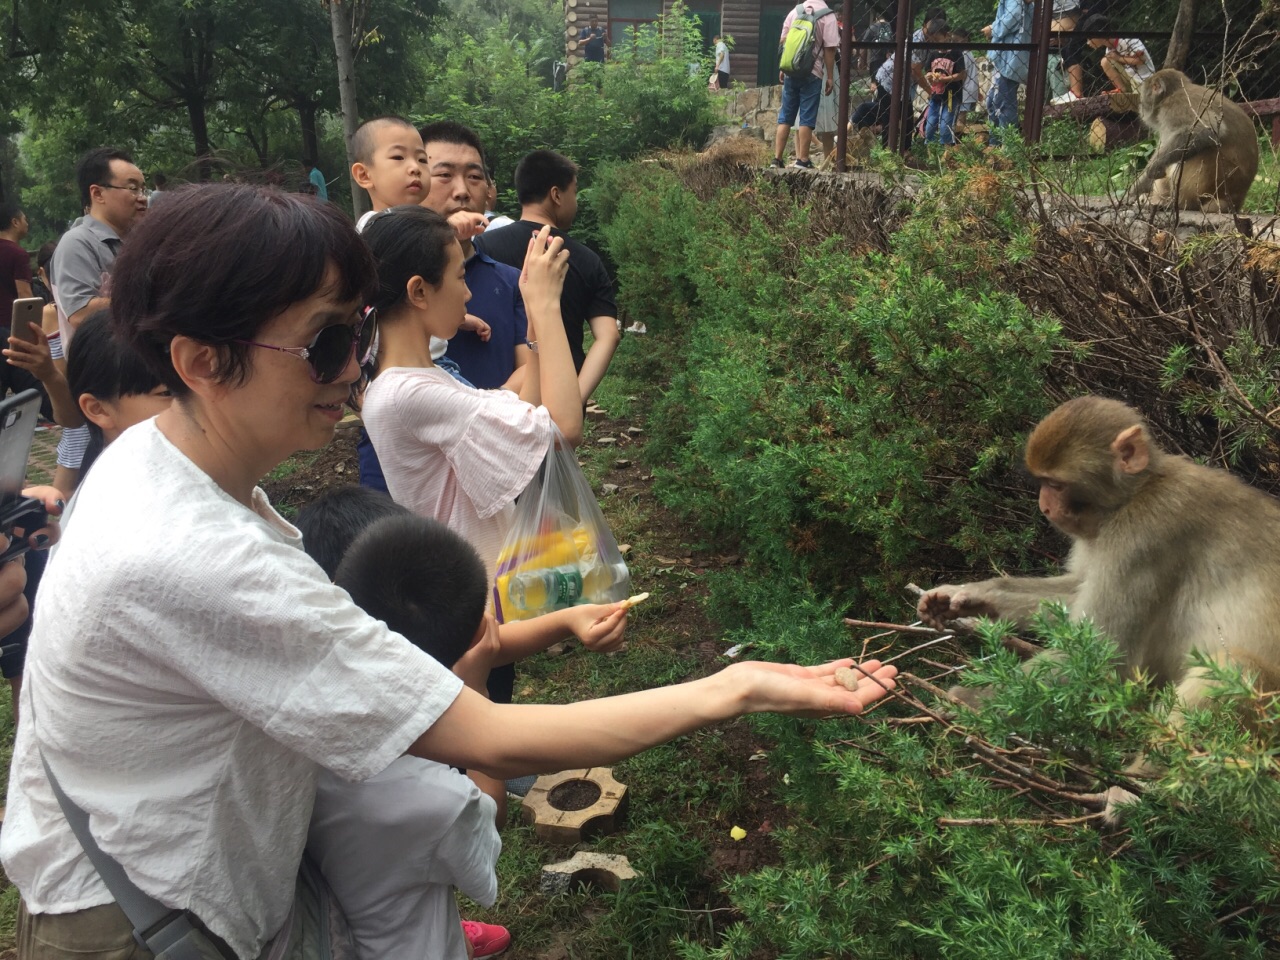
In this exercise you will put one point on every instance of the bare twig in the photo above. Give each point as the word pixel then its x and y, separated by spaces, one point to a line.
pixel 891 627
pixel 1027 822
pixel 921 646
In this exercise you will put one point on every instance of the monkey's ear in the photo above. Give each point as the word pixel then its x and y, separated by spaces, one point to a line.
pixel 1130 450
pixel 1154 86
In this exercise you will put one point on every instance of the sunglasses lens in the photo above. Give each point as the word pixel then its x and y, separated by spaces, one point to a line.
pixel 330 352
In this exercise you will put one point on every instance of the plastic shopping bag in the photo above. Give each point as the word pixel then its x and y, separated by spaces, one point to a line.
pixel 560 551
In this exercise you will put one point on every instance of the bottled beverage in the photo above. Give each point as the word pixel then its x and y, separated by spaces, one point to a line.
pixel 604 583
pixel 541 591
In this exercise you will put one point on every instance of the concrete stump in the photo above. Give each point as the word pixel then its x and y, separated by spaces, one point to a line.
pixel 544 807
pixel 605 870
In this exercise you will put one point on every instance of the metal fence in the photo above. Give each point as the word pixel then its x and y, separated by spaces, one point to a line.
pixel 1081 59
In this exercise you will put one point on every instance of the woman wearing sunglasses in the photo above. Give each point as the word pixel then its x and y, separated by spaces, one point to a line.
pixel 192 669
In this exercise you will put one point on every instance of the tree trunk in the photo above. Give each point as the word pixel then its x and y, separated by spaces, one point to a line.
pixel 1108 133
pixel 310 141
pixel 1180 42
pixel 200 134
pixel 340 22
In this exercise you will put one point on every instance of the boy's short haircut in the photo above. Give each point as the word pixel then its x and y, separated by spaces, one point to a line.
pixel 541 170
pixel 332 523
pixel 362 140
pixel 422 580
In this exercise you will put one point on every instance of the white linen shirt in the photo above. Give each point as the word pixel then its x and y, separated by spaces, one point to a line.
pixel 190 671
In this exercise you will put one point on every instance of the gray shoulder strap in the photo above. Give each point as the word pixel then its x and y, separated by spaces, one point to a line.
pixel 166 932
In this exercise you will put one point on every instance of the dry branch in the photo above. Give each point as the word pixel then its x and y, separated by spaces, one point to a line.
pixel 1030 822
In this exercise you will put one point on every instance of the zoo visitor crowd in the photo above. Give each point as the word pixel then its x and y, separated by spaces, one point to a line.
pixel 944 73
pixel 264 728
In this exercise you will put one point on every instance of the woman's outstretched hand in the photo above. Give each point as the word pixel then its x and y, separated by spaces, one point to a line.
pixel 809 691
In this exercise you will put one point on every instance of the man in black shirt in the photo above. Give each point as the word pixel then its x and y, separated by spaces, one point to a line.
pixel 547 188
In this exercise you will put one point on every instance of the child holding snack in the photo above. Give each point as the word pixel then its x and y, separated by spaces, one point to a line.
pixel 454 453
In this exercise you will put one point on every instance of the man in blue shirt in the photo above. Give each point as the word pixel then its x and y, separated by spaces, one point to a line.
pixel 457 180
pixel 1011 25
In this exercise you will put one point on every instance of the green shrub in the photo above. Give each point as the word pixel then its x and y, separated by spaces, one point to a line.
pixel 826 394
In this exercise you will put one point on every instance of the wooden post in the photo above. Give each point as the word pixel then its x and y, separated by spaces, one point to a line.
pixel 1037 71
pixel 842 109
pixel 902 81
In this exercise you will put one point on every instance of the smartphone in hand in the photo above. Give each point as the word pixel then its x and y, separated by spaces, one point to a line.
pixel 26 311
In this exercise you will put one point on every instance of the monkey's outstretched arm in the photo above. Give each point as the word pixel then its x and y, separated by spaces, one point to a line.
pixel 1008 598
pixel 1177 149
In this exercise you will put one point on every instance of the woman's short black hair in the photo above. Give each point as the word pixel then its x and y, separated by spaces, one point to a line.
pixel 407 242
pixel 216 262
pixel 421 579
pixel 100 364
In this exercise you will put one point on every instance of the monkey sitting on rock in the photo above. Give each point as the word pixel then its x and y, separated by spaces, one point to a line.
pixel 1168 556
pixel 1206 146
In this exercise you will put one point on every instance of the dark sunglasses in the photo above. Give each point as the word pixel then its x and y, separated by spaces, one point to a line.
pixel 330 352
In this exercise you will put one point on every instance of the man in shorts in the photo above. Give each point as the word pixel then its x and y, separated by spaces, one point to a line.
pixel 800 95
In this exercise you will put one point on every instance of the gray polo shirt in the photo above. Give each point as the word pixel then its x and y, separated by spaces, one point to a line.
pixel 81 263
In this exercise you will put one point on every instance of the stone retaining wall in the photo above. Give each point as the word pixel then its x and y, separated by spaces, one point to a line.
pixel 755 109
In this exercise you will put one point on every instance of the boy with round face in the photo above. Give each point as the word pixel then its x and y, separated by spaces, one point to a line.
pixel 389 162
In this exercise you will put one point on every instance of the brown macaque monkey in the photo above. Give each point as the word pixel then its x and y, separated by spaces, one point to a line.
pixel 1168 556
pixel 1206 146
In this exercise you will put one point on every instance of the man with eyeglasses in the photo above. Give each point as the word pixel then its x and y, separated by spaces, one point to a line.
pixel 114 196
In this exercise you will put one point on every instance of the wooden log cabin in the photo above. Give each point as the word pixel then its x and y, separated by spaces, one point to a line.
pixel 754 25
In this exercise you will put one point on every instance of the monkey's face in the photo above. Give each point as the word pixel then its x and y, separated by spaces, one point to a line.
pixel 1073 515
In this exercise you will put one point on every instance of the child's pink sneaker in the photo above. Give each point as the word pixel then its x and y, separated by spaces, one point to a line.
pixel 487 939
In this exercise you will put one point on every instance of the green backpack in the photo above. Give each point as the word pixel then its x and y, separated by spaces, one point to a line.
pixel 799 47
